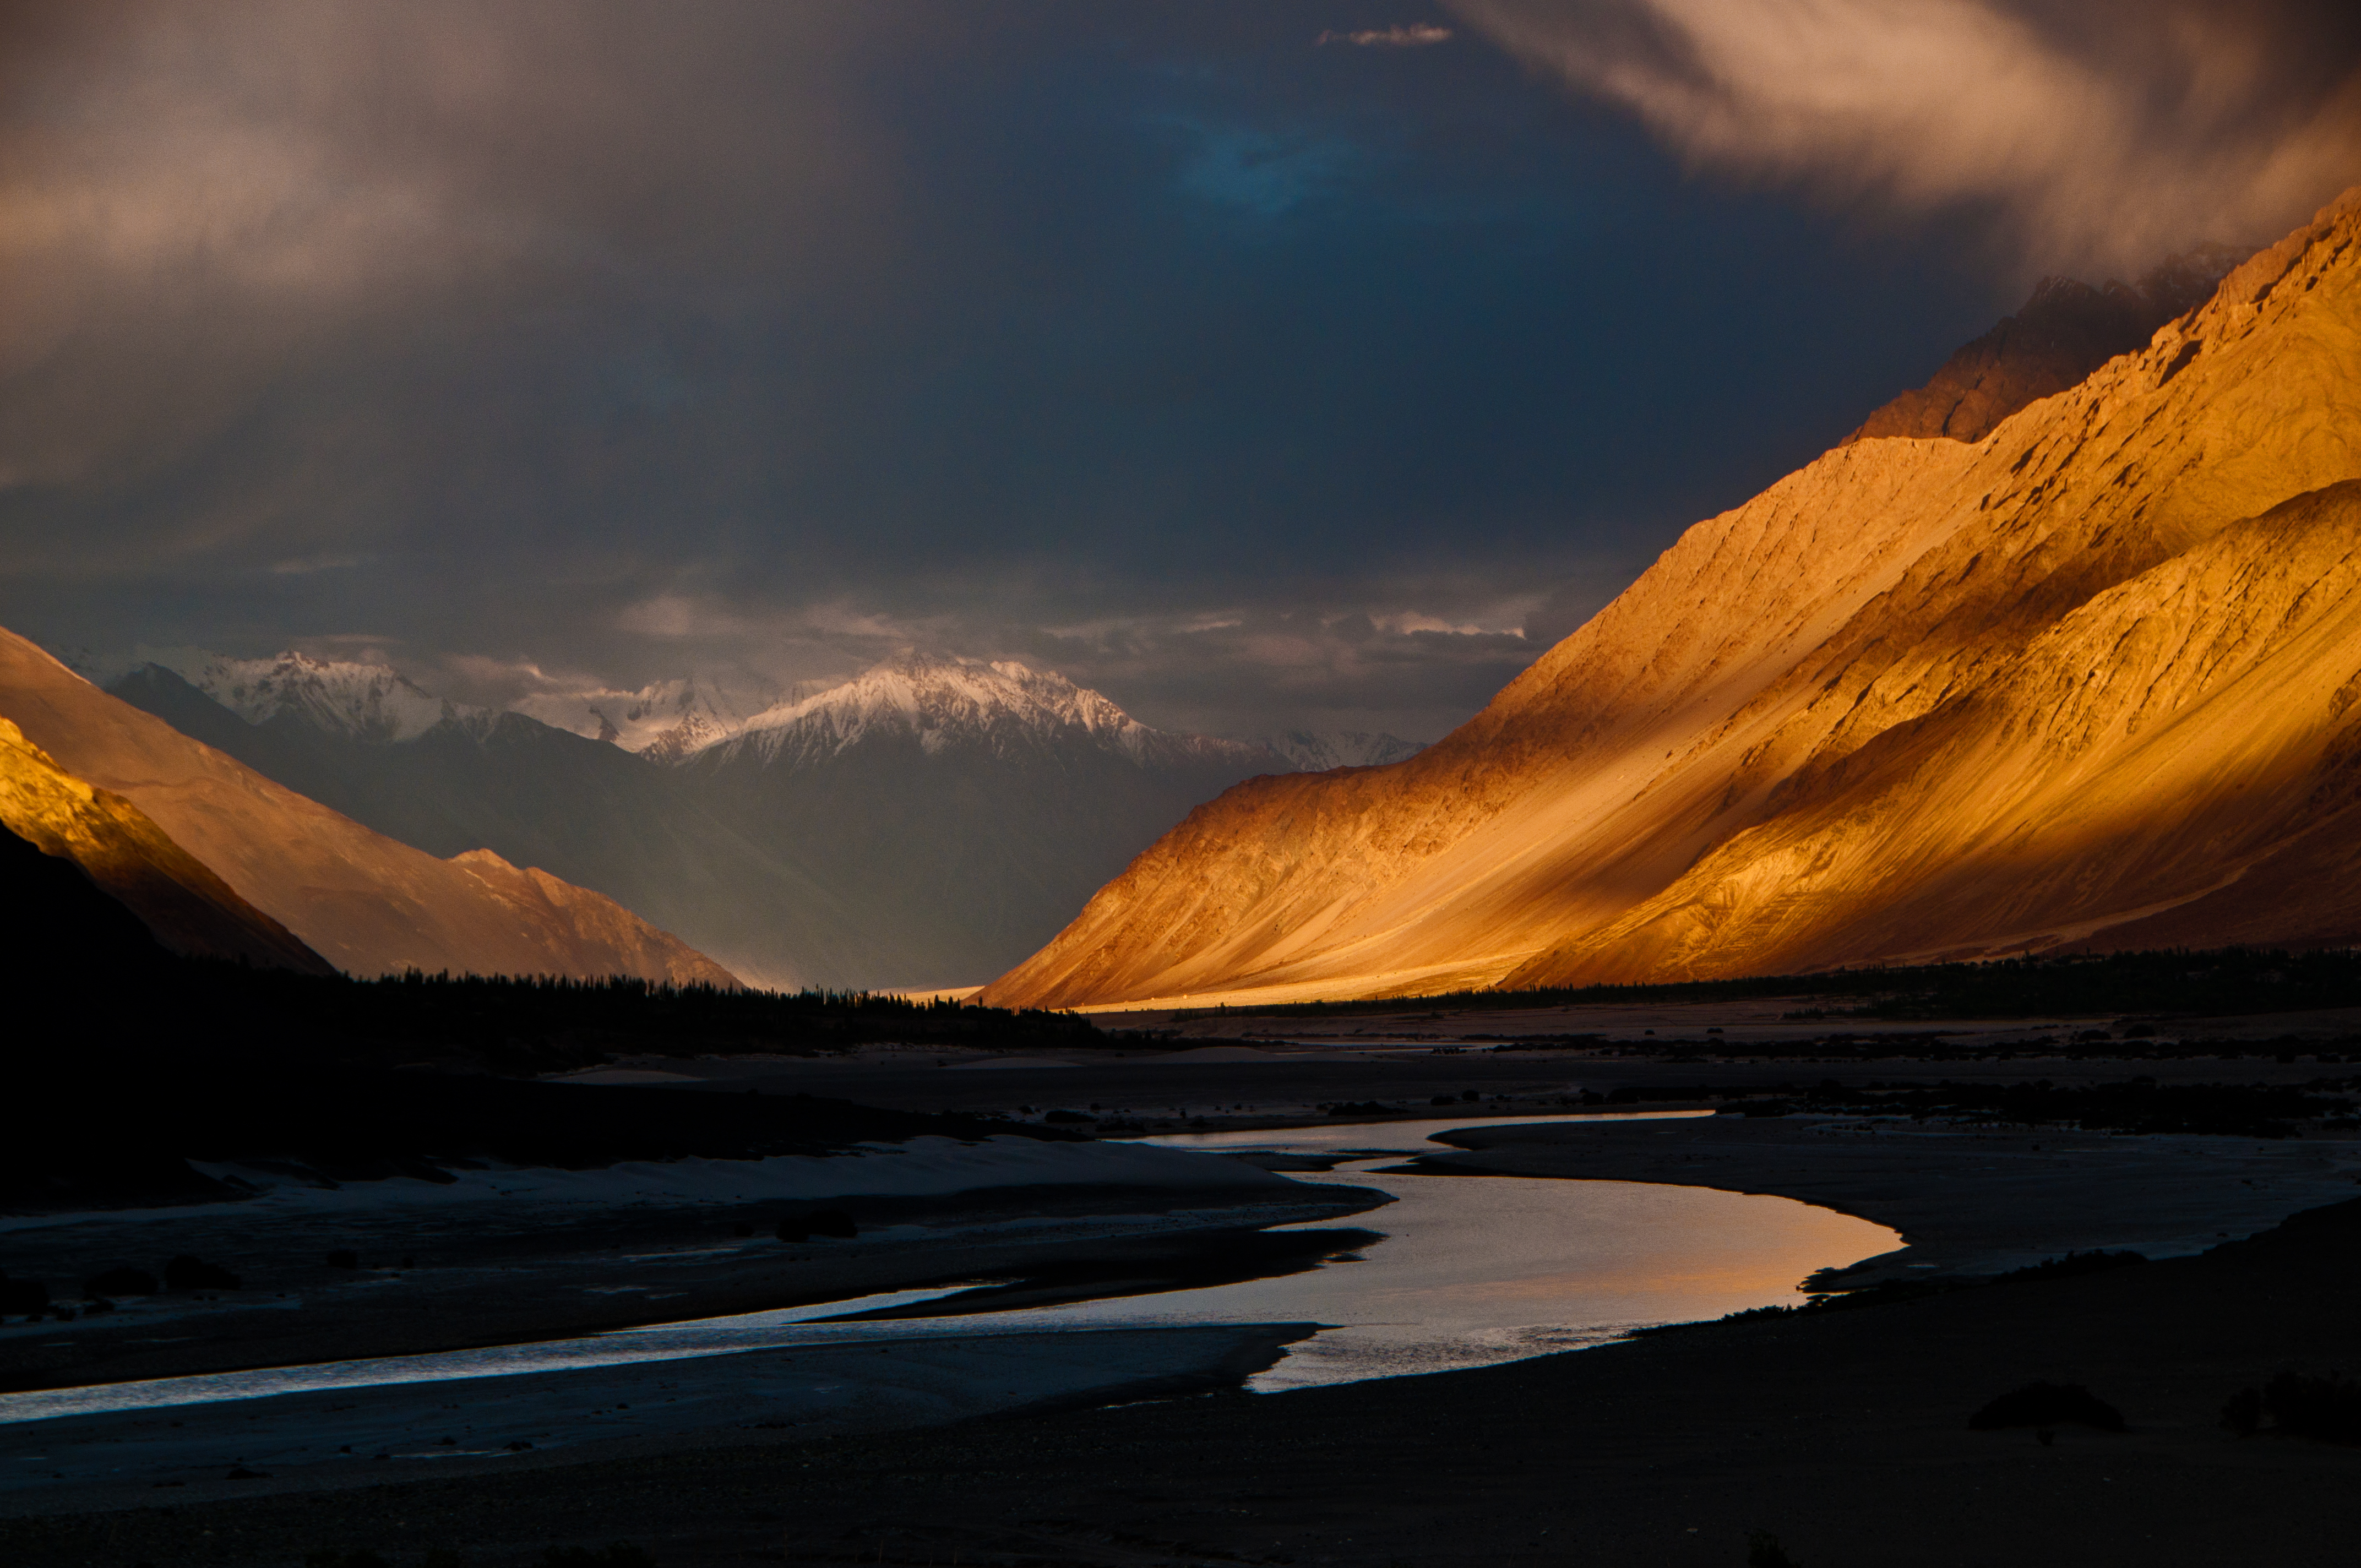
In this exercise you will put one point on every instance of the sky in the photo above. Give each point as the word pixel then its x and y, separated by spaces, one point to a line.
pixel 1263 365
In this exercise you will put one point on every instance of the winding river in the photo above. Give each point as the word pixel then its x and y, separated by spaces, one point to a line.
pixel 1472 1271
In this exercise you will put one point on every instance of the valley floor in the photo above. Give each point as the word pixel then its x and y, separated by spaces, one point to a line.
pixel 1842 1433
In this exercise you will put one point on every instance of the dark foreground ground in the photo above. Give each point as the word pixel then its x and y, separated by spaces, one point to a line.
pixel 1845 1433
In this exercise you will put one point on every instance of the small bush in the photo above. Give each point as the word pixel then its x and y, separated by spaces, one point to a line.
pixel 614 1554
pixel 2048 1405
pixel 188 1273
pixel 817 1222
pixel 2073 1263
pixel 330 1557
pixel 1764 1551
pixel 2327 1407
pixel 2244 1412
pixel 29 1297
pixel 121 1282
pixel 1064 1116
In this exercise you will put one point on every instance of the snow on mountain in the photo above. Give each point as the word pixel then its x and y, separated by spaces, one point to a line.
pixel 947 702
pixel 1316 752
pixel 361 702
pixel 664 721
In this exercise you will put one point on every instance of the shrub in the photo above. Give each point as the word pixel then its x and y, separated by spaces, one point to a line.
pixel 121 1282
pixel 330 1557
pixel 614 1554
pixel 1764 1551
pixel 188 1273
pixel 817 1222
pixel 2048 1405
pixel 2073 1263
pixel 2327 1407
pixel 2244 1412
pixel 29 1297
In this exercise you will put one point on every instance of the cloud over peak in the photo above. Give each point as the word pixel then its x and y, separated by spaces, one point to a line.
pixel 2095 133
pixel 1417 34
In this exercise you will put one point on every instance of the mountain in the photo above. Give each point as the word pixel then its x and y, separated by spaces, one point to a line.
pixel 362 901
pixel 2085 682
pixel 1304 750
pixel 961 810
pixel 929 822
pixel 362 702
pixel 585 810
pixel 2066 331
pixel 103 840
pixel 664 721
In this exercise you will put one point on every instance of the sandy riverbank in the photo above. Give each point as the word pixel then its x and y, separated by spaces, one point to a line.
pixel 1967 1202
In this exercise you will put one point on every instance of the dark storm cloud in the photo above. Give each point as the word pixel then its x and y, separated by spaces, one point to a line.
pixel 1256 381
pixel 2097 132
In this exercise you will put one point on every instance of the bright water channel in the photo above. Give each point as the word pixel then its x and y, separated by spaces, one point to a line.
pixel 1473 1270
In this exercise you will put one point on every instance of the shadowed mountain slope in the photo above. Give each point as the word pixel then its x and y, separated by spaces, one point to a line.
pixel 2066 331
pixel 362 901
pixel 1894 707
pixel 960 810
pixel 108 846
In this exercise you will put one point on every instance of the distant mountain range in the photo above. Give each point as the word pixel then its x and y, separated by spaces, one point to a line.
pixel 927 823
pixel 219 861
pixel 2083 676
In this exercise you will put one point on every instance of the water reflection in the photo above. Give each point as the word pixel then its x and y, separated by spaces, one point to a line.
pixel 1473 1270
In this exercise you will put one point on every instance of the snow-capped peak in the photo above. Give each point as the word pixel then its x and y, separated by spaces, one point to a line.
pixel 662 721
pixel 364 702
pixel 944 701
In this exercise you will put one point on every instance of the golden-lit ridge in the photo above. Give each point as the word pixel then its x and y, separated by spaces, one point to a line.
pixel 2077 682
pixel 364 903
pixel 187 908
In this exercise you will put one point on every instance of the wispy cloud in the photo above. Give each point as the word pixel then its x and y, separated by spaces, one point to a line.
pixel 1416 34
pixel 2094 132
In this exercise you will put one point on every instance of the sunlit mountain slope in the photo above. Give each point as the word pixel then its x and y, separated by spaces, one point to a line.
pixel 364 903
pixel 184 907
pixel 2077 681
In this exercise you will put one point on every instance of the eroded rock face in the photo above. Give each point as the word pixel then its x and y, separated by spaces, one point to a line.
pixel 2064 333
pixel 2085 680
